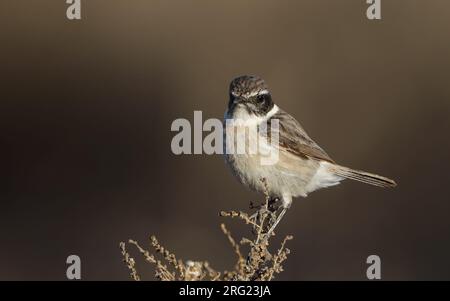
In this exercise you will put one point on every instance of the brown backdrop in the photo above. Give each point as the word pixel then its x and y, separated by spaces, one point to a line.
pixel 86 108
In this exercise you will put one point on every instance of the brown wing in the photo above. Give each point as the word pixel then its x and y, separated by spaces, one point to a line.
pixel 293 138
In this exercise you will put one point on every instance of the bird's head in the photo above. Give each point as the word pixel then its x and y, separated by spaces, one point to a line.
pixel 250 95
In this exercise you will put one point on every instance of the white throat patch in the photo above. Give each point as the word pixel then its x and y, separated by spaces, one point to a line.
pixel 251 119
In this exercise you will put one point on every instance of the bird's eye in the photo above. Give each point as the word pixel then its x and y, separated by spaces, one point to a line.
pixel 261 98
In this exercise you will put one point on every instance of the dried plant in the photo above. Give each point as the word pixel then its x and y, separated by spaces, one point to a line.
pixel 258 263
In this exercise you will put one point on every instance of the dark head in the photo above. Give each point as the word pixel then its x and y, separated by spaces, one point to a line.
pixel 250 93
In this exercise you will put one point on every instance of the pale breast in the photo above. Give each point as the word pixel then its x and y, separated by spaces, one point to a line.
pixel 290 174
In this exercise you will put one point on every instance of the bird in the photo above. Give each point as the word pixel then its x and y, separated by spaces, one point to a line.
pixel 302 166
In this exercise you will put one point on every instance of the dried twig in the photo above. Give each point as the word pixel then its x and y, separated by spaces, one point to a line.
pixel 129 261
pixel 242 215
pixel 258 264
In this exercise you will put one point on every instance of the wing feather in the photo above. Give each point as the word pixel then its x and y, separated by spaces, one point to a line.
pixel 294 139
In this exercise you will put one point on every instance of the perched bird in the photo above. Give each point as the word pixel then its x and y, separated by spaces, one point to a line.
pixel 302 165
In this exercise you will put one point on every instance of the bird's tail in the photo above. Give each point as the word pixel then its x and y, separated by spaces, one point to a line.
pixel 362 176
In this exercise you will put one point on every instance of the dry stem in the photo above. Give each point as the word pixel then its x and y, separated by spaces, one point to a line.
pixel 258 264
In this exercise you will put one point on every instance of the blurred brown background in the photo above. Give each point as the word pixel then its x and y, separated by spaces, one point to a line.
pixel 86 108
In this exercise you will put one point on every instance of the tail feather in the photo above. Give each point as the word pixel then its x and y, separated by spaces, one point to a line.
pixel 362 176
